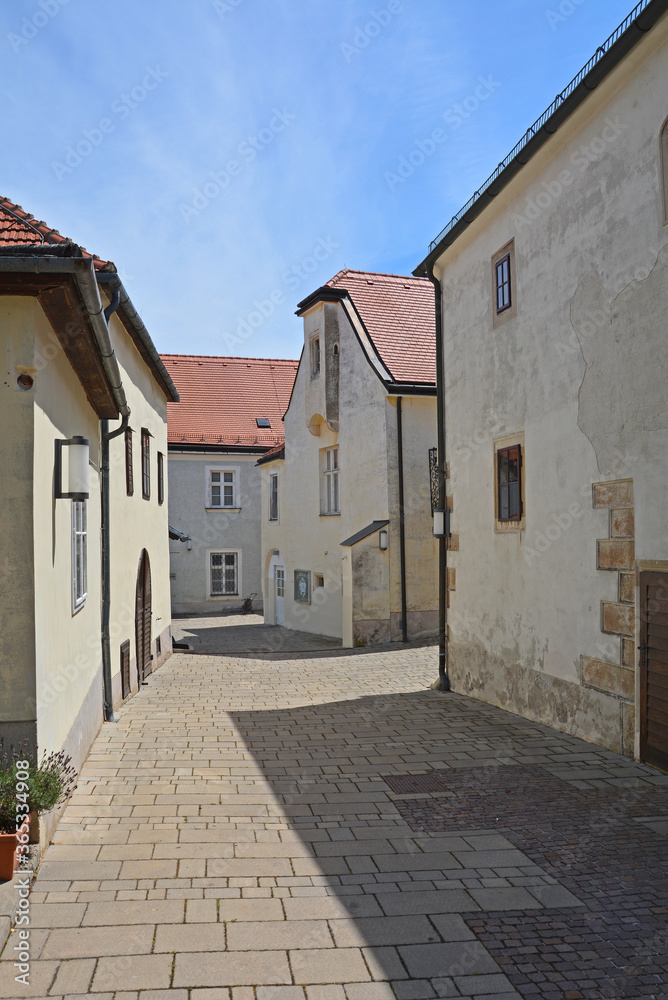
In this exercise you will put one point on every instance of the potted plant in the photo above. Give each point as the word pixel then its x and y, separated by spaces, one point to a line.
pixel 29 786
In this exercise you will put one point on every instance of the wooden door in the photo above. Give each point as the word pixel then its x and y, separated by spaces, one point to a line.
pixel 143 618
pixel 654 669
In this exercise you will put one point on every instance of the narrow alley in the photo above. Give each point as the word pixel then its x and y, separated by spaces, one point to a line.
pixel 319 825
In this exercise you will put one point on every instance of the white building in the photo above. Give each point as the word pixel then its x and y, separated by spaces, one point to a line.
pixel 84 601
pixel 554 302
pixel 231 412
pixel 347 544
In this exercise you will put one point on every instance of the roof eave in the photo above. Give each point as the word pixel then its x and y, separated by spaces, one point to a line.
pixel 326 293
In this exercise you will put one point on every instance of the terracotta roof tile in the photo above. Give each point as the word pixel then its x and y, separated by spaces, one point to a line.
pixel 222 399
pixel 19 228
pixel 398 313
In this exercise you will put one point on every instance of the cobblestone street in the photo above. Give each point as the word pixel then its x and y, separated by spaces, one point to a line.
pixel 269 823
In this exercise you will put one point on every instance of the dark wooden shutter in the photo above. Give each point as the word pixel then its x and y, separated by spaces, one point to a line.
pixel 129 475
pixel 147 616
pixel 145 464
pixel 654 669
pixel 125 669
pixel 161 477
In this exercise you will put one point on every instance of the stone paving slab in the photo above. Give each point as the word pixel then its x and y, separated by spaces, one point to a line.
pixel 233 840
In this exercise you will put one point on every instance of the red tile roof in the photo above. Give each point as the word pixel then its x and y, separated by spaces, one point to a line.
pixel 398 313
pixel 19 228
pixel 222 398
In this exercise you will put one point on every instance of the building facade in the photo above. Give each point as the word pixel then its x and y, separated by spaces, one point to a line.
pixel 84 602
pixel 554 296
pixel 231 412
pixel 347 544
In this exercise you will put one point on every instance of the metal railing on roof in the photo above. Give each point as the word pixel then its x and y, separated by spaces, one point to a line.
pixel 538 124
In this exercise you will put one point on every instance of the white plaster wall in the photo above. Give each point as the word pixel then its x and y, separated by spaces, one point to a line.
pixel 307 539
pixel 218 530
pixel 580 372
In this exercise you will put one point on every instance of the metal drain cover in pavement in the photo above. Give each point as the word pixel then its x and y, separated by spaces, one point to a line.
pixel 412 784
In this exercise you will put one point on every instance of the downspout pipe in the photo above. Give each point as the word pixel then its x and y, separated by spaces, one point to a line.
pixel 99 319
pixel 443 675
pixel 402 523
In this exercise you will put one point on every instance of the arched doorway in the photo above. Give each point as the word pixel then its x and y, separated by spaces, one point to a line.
pixel 143 618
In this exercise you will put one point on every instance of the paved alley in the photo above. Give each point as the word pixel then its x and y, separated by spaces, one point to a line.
pixel 321 826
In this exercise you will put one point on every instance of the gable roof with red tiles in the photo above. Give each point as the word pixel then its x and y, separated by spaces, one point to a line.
pixel 222 399
pixel 397 312
pixel 19 228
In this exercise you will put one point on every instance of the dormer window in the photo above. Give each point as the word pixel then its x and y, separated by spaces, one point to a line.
pixel 262 422
pixel 315 357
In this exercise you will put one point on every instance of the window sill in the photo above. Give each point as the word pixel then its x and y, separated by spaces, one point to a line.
pixel 215 597
pixel 233 509
pixel 331 513
pixel 503 527
pixel 79 607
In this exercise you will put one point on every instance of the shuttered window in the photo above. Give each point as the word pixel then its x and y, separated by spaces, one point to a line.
pixel 145 464
pixel 129 474
pixel 161 477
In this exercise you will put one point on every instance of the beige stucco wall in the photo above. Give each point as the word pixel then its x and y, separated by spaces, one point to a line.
pixel 580 372
pixel 138 524
pixel 67 644
pixel 17 609
pixel 234 530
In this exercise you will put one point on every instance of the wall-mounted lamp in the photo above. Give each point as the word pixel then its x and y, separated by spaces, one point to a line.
pixel 189 544
pixel 77 468
pixel 382 539
pixel 441 522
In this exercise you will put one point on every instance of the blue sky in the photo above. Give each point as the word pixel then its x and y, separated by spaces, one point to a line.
pixel 232 155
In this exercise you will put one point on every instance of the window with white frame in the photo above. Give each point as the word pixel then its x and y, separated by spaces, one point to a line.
pixel 222 489
pixel 315 356
pixel 273 496
pixel 79 554
pixel 332 496
pixel 224 573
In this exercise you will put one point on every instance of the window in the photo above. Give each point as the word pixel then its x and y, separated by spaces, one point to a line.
pixel 273 496
pixel 145 464
pixel 79 554
pixel 161 477
pixel 224 574
pixel 315 356
pixel 318 581
pixel 222 489
pixel 263 422
pixel 509 483
pixel 280 582
pixel 503 294
pixel 129 476
pixel 504 286
pixel 332 499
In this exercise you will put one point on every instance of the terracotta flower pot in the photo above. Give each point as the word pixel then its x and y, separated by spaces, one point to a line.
pixel 9 855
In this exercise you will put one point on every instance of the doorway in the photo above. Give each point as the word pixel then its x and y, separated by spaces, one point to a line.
pixel 654 669
pixel 279 576
pixel 143 618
